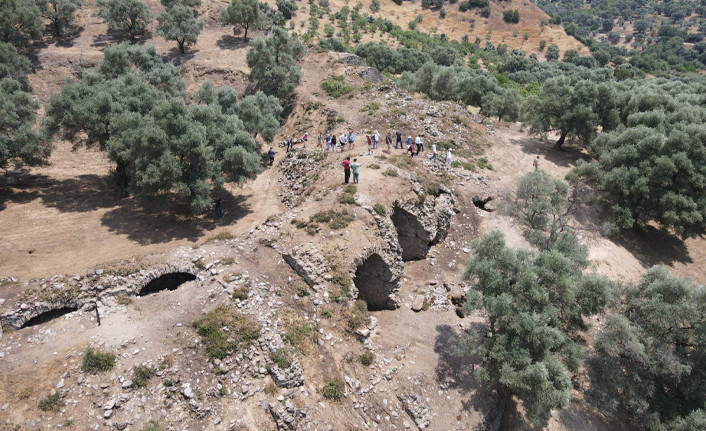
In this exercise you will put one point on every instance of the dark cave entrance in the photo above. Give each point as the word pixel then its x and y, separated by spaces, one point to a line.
pixel 411 234
pixel 372 279
pixel 169 281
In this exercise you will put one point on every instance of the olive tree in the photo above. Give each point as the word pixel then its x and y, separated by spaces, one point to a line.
pixel 650 357
pixel 60 14
pixel 535 303
pixel 20 21
pixel 129 16
pixel 273 63
pixel 178 23
pixel 242 15
pixel 132 105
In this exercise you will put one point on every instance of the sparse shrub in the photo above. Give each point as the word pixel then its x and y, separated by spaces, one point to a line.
pixel 366 358
pixel 433 189
pixel 336 87
pixel 326 313
pixel 333 390
pixel 200 265
pixel 219 343
pixel 24 393
pixel 227 261
pixel 241 293
pixel 390 172
pixel 141 374
pixel 380 209
pixel 483 164
pixel 301 334
pixel 152 426
pixel 302 290
pixel 374 166
pixel 51 403
pixel 220 236
pixel 282 358
pixel 123 300
pixel 341 219
pixel 97 360
pixel 358 316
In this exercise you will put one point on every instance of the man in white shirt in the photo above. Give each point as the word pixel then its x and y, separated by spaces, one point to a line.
pixel 449 159
pixel 433 152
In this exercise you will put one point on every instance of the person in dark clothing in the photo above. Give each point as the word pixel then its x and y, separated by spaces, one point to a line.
pixel 271 153
pixel 347 170
pixel 219 210
pixel 399 139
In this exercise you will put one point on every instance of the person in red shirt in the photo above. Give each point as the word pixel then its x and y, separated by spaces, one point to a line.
pixel 347 170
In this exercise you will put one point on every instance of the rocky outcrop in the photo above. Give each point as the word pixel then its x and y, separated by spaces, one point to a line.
pixel 295 179
pixel 286 415
pixel 309 265
pixel 416 408
pixel 421 225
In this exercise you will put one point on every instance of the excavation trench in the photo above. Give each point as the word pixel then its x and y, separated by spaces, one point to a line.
pixel 413 238
pixel 49 316
pixel 373 279
pixel 169 281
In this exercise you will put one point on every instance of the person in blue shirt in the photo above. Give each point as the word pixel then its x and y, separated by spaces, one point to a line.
pixel 271 153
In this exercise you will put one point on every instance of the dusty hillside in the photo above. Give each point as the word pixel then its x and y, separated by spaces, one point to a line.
pixel 135 277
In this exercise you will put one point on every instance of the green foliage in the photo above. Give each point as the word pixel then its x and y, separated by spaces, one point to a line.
pixel 326 313
pixel 301 334
pixel 379 209
pixel 282 358
pixel 390 172
pixel 535 304
pixel 133 105
pixel 60 14
pixel 260 114
pixel 366 358
pixel 21 144
pixel 287 8
pixel 511 16
pixel 542 205
pixel 190 3
pixel 128 16
pixel 333 390
pixel 273 63
pixel 178 23
pixel 566 106
pixel 652 174
pixel 242 15
pixel 224 330
pixel 375 6
pixel 651 354
pixel 97 360
pixel 20 21
pixel 152 426
pixel 51 403
pixel 552 52
pixel 336 87
pixel 141 375
pixel 358 315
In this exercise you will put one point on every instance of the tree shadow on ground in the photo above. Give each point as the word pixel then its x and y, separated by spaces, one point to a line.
pixel 67 40
pixel 652 246
pixel 19 188
pixel 152 221
pixel 456 371
pixel 231 42
pixel 81 194
pixel 175 57
pixel 112 37
pixel 566 157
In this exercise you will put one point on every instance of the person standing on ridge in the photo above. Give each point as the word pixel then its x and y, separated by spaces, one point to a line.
pixel 535 163
pixel 355 167
pixel 388 141
pixel 346 170
pixel 399 139
pixel 271 154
